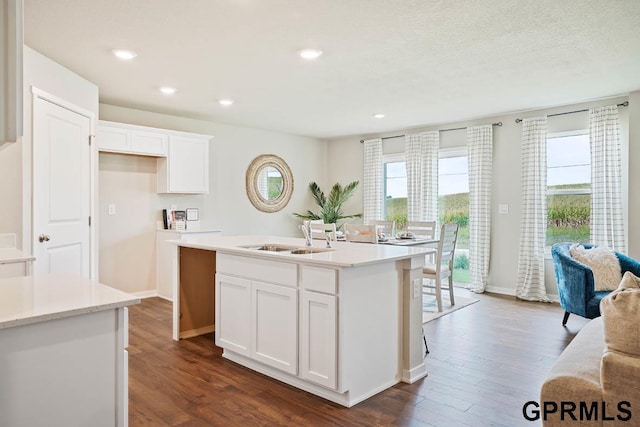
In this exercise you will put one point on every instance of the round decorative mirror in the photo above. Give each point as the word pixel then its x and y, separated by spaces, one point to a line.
pixel 269 183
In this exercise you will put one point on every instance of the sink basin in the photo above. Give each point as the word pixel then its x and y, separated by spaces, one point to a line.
pixel 273 248
pixel 304 251
pixel 286 249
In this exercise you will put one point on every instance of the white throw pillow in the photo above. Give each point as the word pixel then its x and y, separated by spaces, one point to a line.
pixel 604 264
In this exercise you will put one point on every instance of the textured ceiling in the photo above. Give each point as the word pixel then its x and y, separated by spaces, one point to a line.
pixel 420 62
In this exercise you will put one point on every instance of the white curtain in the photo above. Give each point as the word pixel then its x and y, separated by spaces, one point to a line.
pixel 533 224
pixel 480 155
pixel 607 227
pixel 372 182
pixel 421 151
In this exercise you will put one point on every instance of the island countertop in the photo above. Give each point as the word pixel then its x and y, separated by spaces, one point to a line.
pixel 33 299
pixel 342 254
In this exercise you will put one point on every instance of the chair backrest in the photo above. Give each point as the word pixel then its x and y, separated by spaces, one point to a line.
pixel 320 231
pixel 315 234
pixel 360 233
pixel 447 245
pixel 422 229
pixel 386 227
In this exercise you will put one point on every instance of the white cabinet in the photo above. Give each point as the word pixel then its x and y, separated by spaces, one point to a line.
pixel 319 338
pixel 274 326
pixel 166 274
pixel 256 319
pixel 186 168
pixel 130 139
pixel 233 318
pixel 183 158
pixel 318 326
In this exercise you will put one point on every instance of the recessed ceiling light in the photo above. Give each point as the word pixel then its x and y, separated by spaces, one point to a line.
pixel 310 54
pixel 226 102
pixel 378 116
pixel 167 90
pixel 124 54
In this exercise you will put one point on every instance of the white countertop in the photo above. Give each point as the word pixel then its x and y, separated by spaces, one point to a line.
pixel 32 299
pixel 192 231
pixel 13 255
pixel 343 254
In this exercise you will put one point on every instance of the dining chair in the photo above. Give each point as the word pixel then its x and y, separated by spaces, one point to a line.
pixel 422 229
pixel 323 231
pixel 386 227
pixel 360 233
pixel 443 268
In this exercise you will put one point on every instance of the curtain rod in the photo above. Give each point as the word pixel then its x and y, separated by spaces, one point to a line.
pixel 440 130
pixel 624 104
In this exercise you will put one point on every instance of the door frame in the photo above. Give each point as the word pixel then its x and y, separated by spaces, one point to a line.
pixel 28 215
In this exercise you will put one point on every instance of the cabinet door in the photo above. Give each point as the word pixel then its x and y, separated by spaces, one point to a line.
pixel 318 337
pixel 149 143
pixel 114 139
pixel 274 326
pixel 233 314
pixel 188 170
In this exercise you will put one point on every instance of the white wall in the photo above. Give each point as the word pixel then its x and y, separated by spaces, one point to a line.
pixel 127 239
pixel 345 157
pixel 15 158
pixel 634 175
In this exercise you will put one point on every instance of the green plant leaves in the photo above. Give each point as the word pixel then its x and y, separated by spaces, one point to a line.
pixel 330 207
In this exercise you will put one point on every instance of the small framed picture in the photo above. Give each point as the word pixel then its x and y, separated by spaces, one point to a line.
pixel 192 214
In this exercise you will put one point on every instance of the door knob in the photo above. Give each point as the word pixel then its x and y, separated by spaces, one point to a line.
pixel 43 238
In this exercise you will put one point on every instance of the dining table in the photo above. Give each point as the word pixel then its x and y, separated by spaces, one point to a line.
pixel 417 241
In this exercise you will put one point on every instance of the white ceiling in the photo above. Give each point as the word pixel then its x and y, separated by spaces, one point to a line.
pixel 421 62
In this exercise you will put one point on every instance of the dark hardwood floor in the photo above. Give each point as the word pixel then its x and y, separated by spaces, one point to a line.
pixel 486 361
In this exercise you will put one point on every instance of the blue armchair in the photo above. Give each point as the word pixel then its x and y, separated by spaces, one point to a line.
pixel 575 281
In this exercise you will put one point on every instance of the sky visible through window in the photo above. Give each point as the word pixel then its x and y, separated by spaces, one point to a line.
pixel 568 162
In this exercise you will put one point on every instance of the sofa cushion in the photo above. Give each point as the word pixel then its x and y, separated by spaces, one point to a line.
pixel 603 263
pixel 620 314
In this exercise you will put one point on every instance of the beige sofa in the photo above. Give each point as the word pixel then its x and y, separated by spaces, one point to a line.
pixel 596 379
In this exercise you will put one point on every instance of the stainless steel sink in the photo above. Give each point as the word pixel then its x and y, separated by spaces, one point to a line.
pixel 303 251
pixel 294 250
pixel 273 248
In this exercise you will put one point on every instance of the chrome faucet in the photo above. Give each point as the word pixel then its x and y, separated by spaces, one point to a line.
pixel 306 231
pixel 329 237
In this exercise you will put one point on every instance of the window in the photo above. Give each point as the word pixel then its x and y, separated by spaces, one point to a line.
pixel 395 190
pixel 453 204
pixel 568 187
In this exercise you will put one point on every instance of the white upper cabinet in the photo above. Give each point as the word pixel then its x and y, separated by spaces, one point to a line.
pixel 10 70
pixel 129 139
pixel 186 168
pixel 183 158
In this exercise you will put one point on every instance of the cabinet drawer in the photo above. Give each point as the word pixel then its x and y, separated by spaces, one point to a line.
pixel 319 279
pixel 282 273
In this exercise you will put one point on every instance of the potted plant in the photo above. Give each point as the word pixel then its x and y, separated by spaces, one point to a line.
pixel 330 207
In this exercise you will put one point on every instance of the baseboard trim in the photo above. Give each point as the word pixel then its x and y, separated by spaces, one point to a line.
pixel 145 294
pixel 512 292
pixel 410 376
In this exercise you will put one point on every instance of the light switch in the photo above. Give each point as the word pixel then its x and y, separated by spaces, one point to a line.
pixel 503 208
pixel 111 208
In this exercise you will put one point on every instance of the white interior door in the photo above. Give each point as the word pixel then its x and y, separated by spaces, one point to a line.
pixel 61 189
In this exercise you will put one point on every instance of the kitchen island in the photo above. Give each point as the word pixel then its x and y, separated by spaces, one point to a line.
pixel 62 352
pixel 343 323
